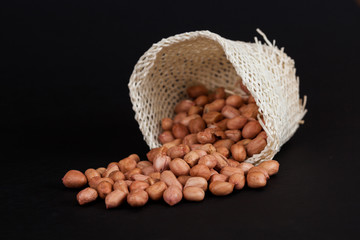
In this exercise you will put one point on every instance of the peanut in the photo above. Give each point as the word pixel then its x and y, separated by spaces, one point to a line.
pixel 196 91
pixel 132 172
pixel 74 179
pixel 135 157
pixel 166 124
pixel 121 185
pixel 255 146
pixel 138 185
pixel 169 178
pixel 233 135
pixel 219 188
pixel 196 125
pixel 137 198
pixel 190 139
pixel 161 162
pixel 179 117
pixel 234 101
pixel 178 151
pixel 156 190
pixel 259 169
pixel 115 199
pixel 233 163
pixel 147 170
pixel 251 129
pixel 194 194
pixel 188 119
pixel 197 182
pixel 222 125
pixel 224 151
pixel 179 130
pixel 200 170
pixel 238 180
pixel 229 112
pixel 101 170
pixel 221 160
pixel 256 179
pixel 172 195
pixel 205 137
pixel 219 93
pixel 208 160
pixel 166 137
pixel 195 110
pixel 110 169
pixel 271 166
pixel 127 164
pixel 183 178
pixel 104 188
pixel 215 106
pixel 236 123
pixel 228 171
pixel 192 158
pixel 117 175
pixel 86 195
pixel 179 167
pixel 219 177
pixel 224 143
pixel 184 106
pixel 90 173
pixel 201 100
pixel 212 117
pixel 245 167
pixel 238 152
pixel 249 110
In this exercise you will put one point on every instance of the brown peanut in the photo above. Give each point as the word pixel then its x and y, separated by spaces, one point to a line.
pixel 179 167
pixel 170 179
pixel 229 112
pixel 184 106
pixel 219 188
pixel 224 151
pixel 238 180
pixel 74 179
pixel 101 170
pixel 197 125
pixel 259 169
pixel 195 110
pixel 271 166
pixel 179 130
pixel 224 143
pixel 132 172
pixel 221 160
pixel 212 117
pixel 172 195
pixel 233 163
pixel 86 195
pixel 104 188
pixel 147 170
pixel 127 164
pixel 115 199
pixel 178 151
pixel 249 110
pixel 194 194
pixel 219 177
pixel 161 162
pixel 166 124
pixel 201 100
pixel 245 167
pixel 156 190
pixel 205 137
pixel 228 171
pixel 219 93
pixel 192 158
pixel 200 170
pixel 166 137
pixel 179 117
pixel 256 180
pixel 137 198
pixel 197 182
pixel 138 185
pixel 186 121
pixel 255 146
pixel 235 101
pixel 233 135
pixel 190 139
pixel 251 129
pixel 208 160
pixel 238 152
pixel 215 106
pixel 183 178
pixel 90 173
pixel 196 91
pixel 236 123
pixel 121 185
pixel 117 175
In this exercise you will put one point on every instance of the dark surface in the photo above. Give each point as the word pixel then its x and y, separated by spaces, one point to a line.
pixel 65 105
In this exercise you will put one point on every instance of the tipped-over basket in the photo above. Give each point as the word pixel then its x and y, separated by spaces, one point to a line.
pixel 163 73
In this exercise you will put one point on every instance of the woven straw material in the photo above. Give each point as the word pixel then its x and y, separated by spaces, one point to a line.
pixel 163 73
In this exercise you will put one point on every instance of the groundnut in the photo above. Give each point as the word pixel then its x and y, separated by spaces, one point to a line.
pixel 235 101
pixel 90 173
pixel 219 93
pixel 86 195
pixel 94 182
pixel 166 124
pixel 221 160
pixel 182 179
pixel 178 151
pixel 74 179
pixel 219 177
pixel 179 167
pixel 101 170
pixel 244 142
pixel 172 195
pixel 184 106
pixel 169 178
pixel 250 110
pixel 127 164
pixel 104 188
pixel 138 185
pixel 171 144
pixel 137 198
pixel 155 176
pixel 237 122
pixel 245 167
pixel 229 112
pixel 197 125
pixel 256 180
pixel 194 194
pixel 224 151
pixel 262 134
pixel 190 139
pixel 166 137
pixel 147 170
pixel 110 169
pixel 139 177
pixel 205 137
pixel 161 162
pixel 208 160
pixel 156 190
pixel 238 152
pixel 233 163
pixel 255 146
pixel 195 110
pixel 192 158
pixel 200 170
pixel 259 169
pixel 212 117
pixel 271 166
pixel 208 148
pixel 197 182
pixel 128 182
pixel 224 143
pixel 215 106
pixel 117 175
pixel 132 172
pixel 238 180
pixel 196 91
pixel 201 100
pixel 221 188
pixel 251 129
pixel 186 121
pixel 179 117
pixel 135 157
pixel 115 199
pixel 228 171
pixel 222 125
pixel 179 130
pixel 233 135
pixel 110 165
pixel 121 185
pixel 153 153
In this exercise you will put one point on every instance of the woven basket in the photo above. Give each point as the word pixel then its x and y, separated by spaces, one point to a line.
pixel 163 73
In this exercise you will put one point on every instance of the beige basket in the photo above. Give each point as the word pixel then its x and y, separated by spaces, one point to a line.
pixel 163 73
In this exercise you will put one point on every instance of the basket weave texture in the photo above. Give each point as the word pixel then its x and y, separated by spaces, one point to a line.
pixel 163 73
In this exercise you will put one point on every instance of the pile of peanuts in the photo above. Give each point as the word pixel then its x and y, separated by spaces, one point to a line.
pixel 203 147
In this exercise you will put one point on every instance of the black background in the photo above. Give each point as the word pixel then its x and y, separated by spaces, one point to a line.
pixel 65 105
